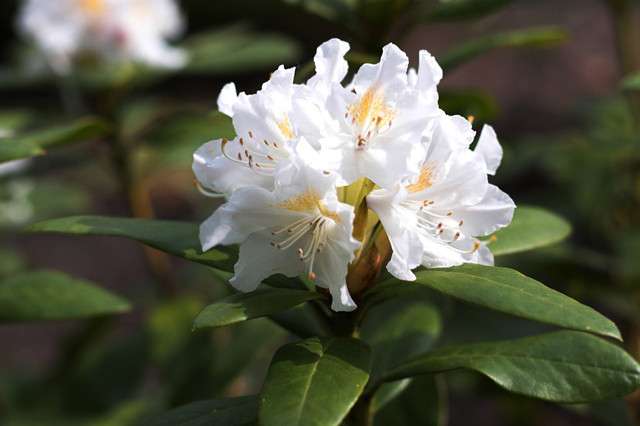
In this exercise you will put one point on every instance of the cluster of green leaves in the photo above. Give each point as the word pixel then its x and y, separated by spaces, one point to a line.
pixel 393 336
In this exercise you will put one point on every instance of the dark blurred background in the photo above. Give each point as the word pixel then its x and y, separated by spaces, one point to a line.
pixel 557 102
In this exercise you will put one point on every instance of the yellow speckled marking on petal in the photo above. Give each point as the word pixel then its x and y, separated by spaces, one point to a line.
pixel 371 106
pixel 285 128
pixel 92 7
pixel 425 180
pixel 308 202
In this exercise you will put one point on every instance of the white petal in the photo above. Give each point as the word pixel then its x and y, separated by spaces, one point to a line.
pixel 438 254
pixel 493 212
pixel 401 228
pixel 390 161
pixel 217 173
pixel 331 269
pixel 489 148
pixel 412 77
pixel 341 300
pixel 227 98
pixel 249 210
pixel 278 90
pixel 484 256
pixel 259 260
pixel 453 131
pixel 429 72
pixel 390 73
pixel 303 173
pixel 464 183
pixel 331 67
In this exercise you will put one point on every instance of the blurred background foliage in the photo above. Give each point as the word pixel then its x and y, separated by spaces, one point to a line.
pixel 558 79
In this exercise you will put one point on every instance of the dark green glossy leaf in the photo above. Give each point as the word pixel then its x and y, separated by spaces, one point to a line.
pixel 422 403
pixel 565 366
pixel 531 37
pixel 532 227
pixel 398 329
pixel 240 411
pixel 506 290
pixel 463 9
pixel 177 238
pixel 244 306
pixel 49 295
pixel 238 49
pixel 37 142
pixel 303 321
pixel 314 382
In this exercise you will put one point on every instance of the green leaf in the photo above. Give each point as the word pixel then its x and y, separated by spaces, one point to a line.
pixel 631 82
pixel 531 228
pixel 565 366
pixel 464 9
pixel 244 306
pixel 398 329
pixel 422 403
pixel 303 321
pixel 177 238
pixel 237 49
pixel 238 411
pixel 314 382
pixel 509 291
pixel 36 142
pixel 532 37
pixel 49 295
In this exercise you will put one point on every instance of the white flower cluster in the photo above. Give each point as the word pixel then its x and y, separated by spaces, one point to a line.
pixel 299 146
pixel 120 30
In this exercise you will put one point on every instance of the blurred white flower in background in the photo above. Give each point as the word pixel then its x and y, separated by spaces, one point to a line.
pixel 113 30
pixel 310 160
pixel 16 207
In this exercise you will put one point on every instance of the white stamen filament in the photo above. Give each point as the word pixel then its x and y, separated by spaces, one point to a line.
pixel 443 226
pixel 266 163
pixel 317 225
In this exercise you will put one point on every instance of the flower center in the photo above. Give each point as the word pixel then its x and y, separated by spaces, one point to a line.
pixel 425 180
pixel 317 224
pixel 285 128
pixel 371 114
pixel 309 202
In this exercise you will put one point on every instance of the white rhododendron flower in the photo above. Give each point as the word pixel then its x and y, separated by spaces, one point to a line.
pixel 298 228
pixel 135 30
pixel 433 220
pixel 370 127
pixel 308 159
